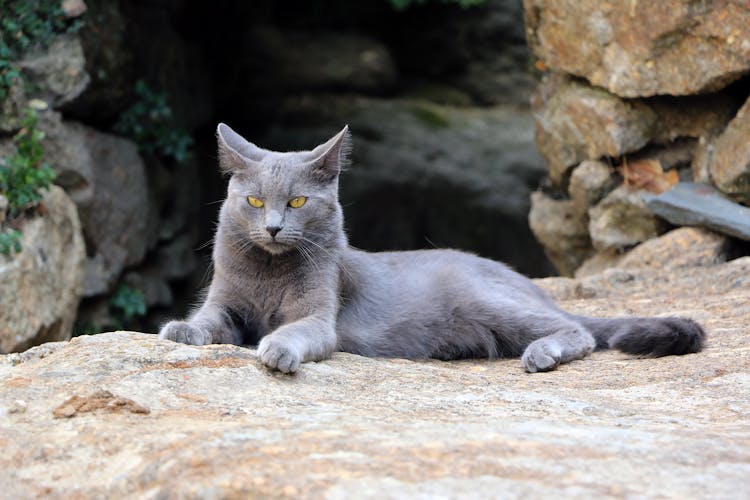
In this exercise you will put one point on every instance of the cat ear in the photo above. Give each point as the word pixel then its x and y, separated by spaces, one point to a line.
pixel 235 152
pixel 332 156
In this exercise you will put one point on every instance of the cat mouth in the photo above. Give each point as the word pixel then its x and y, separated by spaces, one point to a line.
pixel 276 247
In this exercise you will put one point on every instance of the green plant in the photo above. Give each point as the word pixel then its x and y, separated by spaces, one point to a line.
pixel 405 4
pixel 25 175
pixel 10 241
pixel 25 24
pixel 149 123
pixel 127 303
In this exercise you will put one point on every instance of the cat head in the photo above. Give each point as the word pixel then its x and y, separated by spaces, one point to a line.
pixel 282 201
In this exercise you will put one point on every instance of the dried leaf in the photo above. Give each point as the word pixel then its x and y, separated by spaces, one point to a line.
pixel 648 175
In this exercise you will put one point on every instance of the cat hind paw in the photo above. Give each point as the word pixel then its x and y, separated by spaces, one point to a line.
pixel 541 357
pixel 184 333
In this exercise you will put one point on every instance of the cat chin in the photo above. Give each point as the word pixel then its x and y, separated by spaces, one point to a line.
pixel 275 248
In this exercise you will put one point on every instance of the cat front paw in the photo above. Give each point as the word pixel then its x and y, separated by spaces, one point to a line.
pixel 183 332
pixel 541 356
pixel 278 355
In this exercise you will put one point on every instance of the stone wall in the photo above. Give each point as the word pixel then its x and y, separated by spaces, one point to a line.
pixel 635 96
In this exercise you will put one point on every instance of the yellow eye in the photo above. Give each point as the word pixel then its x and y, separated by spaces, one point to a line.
pixel 254 202
pixel 297 202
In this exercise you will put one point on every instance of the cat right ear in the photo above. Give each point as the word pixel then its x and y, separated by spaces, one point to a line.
pixel 236 153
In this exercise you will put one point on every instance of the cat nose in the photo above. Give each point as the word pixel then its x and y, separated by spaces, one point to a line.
pixel 273 230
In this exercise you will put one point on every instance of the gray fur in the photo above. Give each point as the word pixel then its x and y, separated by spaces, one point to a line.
pixel 286 280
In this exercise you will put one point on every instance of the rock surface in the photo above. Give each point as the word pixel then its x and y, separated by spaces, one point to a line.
pixel 125 414
pixel 637 48
pixel 41 286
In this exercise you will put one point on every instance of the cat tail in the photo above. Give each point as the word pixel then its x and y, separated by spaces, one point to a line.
pixel 646 336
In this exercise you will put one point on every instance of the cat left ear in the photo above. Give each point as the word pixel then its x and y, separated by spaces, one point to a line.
pixel 235 152
pixel 332 156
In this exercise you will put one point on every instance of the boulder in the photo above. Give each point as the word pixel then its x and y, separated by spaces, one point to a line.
pixel 425 174
pixel 289 61
pixel 622 220
pixel 57 74
pixel 11 108
pixel 110 61
pixel 562 230
pixel 480 50
pixel 638 49
pixel 40 287
pixel 589 183
pixel 158 419
pixel 730 162
pixel 106 178
pixel 575 122
pixel 680 248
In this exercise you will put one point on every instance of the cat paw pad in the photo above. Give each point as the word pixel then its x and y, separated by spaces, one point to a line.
pixel 278 356
pixel 541 356
pixel 180 331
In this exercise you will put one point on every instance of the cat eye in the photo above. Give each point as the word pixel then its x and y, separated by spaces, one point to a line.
pixel 254 202
pixel 297 202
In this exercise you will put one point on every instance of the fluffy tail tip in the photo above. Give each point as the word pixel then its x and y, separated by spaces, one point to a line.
pixel 661 337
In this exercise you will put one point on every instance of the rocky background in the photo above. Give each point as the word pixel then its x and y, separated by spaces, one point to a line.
pixel 459 130
pixel 636 96
pixel 436 96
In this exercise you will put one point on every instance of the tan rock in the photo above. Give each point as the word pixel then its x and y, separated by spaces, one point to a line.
pixel 730 163
pixel 41 286
pixel 561 230
pixel 643 48
pixel 589 183
pixel 622 220
pixel 222 426
pixel 679 248
pixel 575 122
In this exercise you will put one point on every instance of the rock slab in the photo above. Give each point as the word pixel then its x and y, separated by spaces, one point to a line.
pixel 695 204
pixel 210 421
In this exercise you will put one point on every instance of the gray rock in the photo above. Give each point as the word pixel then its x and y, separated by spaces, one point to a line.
pixel 222 426
pixel 153 284
pixel 425 174
pixel 692 204
pixel 176 259
pixel 622 220
pixel 57 74
pixel 41 286
pixel 107 42
pixel 309 61
pixel 106 178
pixel 562 230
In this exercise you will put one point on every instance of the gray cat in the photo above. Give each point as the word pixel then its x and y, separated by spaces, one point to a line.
pixel 286 280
